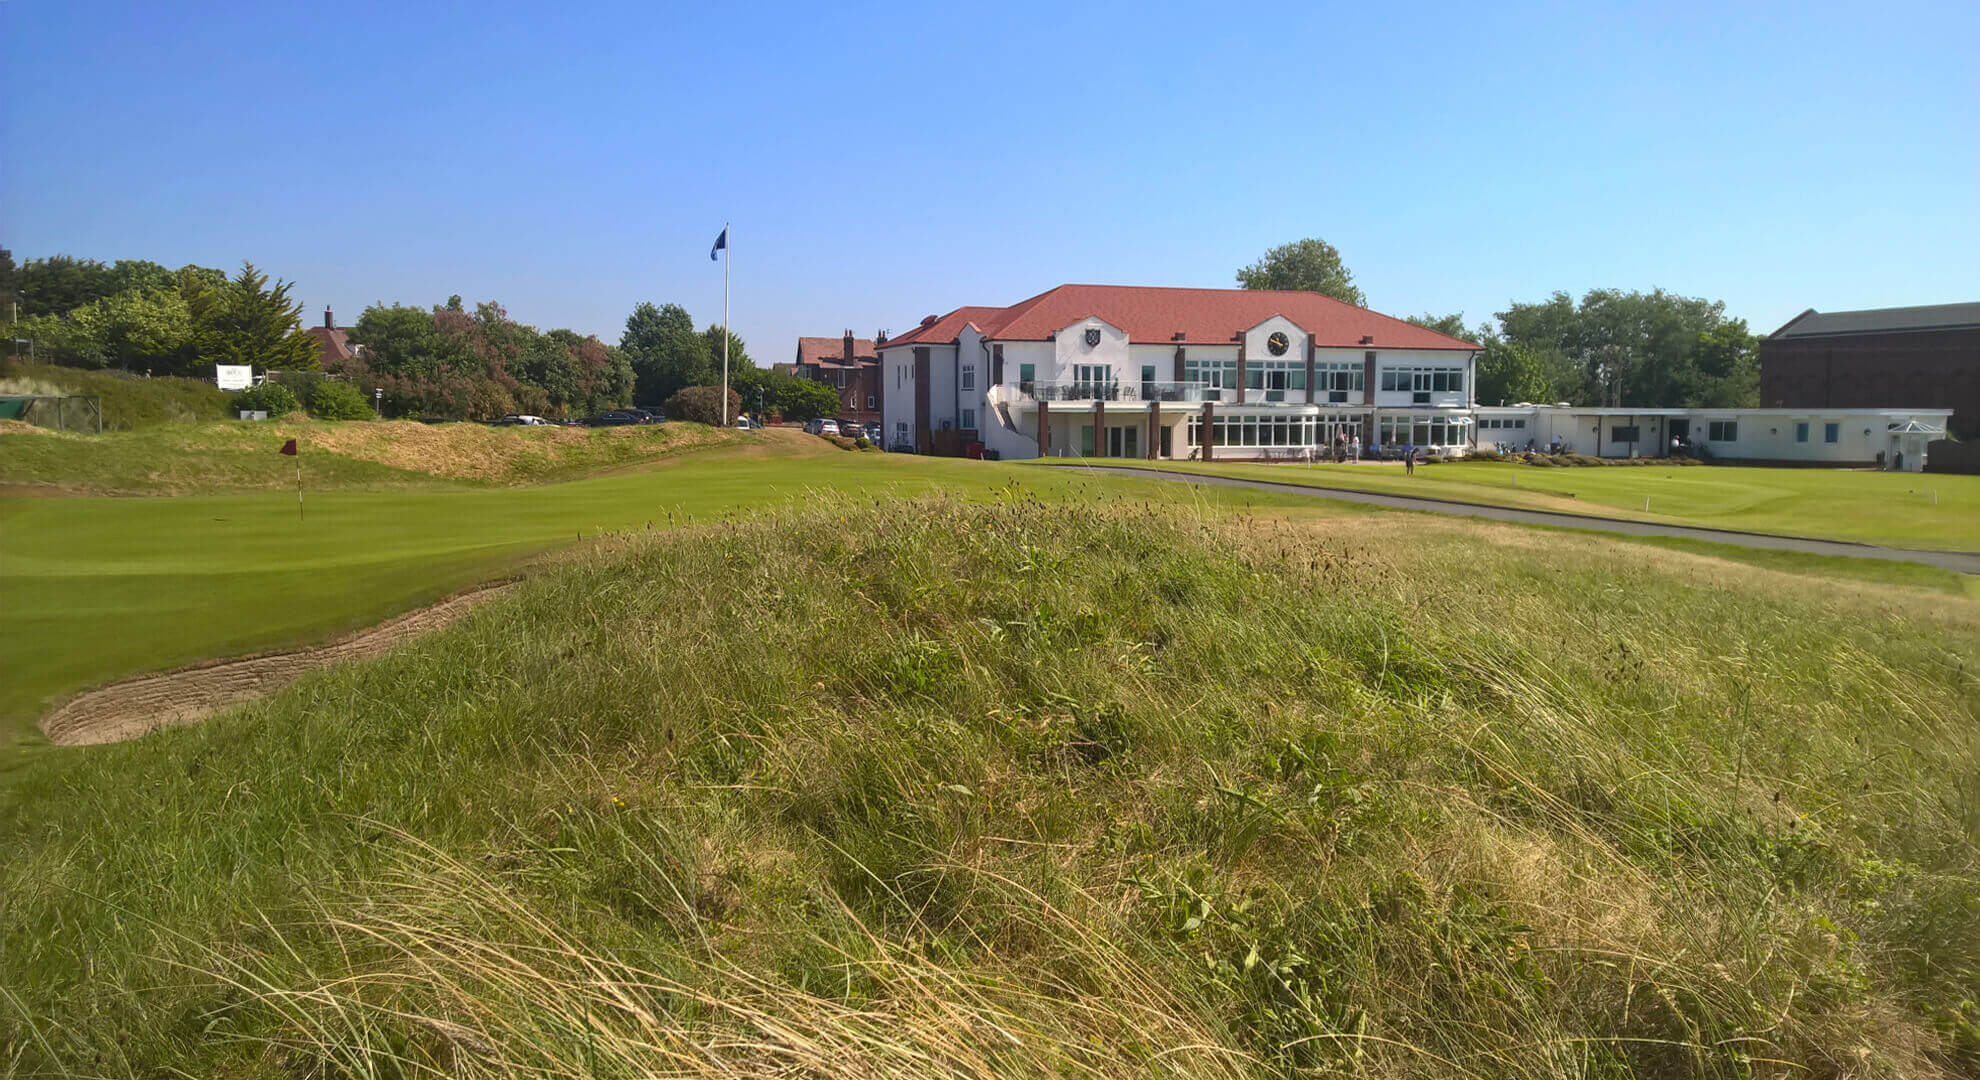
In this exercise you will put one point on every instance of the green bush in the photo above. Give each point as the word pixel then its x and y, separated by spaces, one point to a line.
pixel 338 400
pixel 270 397
pixel 863 443
pixel 701 404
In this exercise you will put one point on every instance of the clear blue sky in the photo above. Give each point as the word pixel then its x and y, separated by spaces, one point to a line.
pixel 881 164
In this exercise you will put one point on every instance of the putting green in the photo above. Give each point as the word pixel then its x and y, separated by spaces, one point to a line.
pixel 1895 509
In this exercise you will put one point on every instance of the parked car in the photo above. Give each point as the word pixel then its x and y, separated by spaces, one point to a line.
pixel 745 423
pixel 519 420
pixel 617 418
pixel 872 433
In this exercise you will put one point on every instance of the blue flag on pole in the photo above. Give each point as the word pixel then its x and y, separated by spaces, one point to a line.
pixel 721 242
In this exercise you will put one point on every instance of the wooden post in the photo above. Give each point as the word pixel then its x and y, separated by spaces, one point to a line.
pixel 1044 428
pixel 1154 427
pixel 1209 440
pixel 1099 425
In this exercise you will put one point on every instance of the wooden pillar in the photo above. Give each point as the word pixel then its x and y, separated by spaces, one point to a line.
pixel 1240 371
pixel 1044 428
pixel 1181 367
pixel 1154 429
pixel 1309 369
pixel 1099 427
pixel 1209 440
pixel 1368 379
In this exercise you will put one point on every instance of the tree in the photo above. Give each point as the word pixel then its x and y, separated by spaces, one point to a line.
pixel 711 339
pixel 1310 265
pixel 666 354
pixel 701 404
pixel 1728 361
pixel 1509 373
pixel 270 397
pixel 1447 325
pixel 802 399
pixel 258 324
pixel 1624 348
pixel 336 399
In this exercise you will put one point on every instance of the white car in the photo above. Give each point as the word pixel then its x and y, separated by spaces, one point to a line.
pixel 828 427
pixel 745 423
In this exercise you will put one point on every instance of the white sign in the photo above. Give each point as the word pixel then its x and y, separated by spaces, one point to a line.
pixel 233 376
pixel 253 414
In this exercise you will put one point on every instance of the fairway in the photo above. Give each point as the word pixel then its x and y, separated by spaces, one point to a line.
pixel 99 588
pixel 1896 509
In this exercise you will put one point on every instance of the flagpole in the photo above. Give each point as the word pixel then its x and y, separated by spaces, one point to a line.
pixel 727 245
pixel 299 504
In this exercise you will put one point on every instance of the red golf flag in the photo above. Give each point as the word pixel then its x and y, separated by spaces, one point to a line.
pixel 289 448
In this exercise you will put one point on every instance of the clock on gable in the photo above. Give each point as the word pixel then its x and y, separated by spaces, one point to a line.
pixel 1278 343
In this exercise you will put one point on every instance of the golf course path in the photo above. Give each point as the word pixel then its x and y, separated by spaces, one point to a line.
pixel 130 707
pixel 1958 561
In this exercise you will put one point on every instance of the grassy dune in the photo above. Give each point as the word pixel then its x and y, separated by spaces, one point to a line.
pixel 237 456
pixel 129 403
pixel 1897 509
pixel 1017 789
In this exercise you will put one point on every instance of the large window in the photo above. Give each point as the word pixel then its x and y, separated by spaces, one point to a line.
pixel 969 419
pixel 1027 374
pixel 1257 431
pixel 1423 380
pixel 1338 381
pixel 968 378
pixel 1619 433
pixel 1420 431
pixel 1801 431
pixel 1831 432
pixel 1276 378
pixel 1216 374
pixel 1722 431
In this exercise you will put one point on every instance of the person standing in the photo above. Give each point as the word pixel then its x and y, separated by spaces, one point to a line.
pixel 1409 459
pixel 1354 448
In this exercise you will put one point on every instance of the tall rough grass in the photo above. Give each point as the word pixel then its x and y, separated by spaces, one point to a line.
pixel 1027 790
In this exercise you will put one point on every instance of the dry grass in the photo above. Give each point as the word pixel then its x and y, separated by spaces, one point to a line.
pixel 1031 790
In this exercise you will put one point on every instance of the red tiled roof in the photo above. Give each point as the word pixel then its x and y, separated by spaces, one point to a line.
pixel 1203 316
pixel 831 351
pixel 332 343
pixel 944 329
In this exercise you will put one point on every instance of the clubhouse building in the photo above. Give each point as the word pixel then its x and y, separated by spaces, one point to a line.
pixel 1134 372
pixel 1237 374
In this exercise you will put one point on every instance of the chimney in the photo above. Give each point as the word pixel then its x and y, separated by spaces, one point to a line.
pixel 879 337
pixel 850 352
pixel 329 320
pixel 1368 339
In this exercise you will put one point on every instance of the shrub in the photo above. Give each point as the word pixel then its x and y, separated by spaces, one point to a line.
pixel 701 404
pixel 338 400
pixel 863 443
pixel 270 397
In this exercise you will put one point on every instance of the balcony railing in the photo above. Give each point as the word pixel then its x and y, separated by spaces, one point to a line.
pixel 1090 390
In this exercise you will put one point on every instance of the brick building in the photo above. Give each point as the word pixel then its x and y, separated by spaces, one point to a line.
pixel 1886 358
pixel 333 342
pixel 849 365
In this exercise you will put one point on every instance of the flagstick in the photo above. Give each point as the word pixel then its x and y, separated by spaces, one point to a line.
pixel 299 506
pixel 728 244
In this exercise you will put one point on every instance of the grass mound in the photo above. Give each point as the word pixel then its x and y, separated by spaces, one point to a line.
pixel 1020 790
pixel 130 403
pixel 242 456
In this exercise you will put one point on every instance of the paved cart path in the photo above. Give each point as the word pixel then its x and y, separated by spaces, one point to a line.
pixel 1959 561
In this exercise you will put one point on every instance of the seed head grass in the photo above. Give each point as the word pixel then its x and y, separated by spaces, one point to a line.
pixel 1022 789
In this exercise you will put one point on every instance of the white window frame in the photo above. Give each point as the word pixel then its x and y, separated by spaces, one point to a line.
pixel 969 377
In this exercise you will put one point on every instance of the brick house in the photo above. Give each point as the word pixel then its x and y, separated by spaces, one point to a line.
pixel 849 365
pixel 1885 358
pixel 333 342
